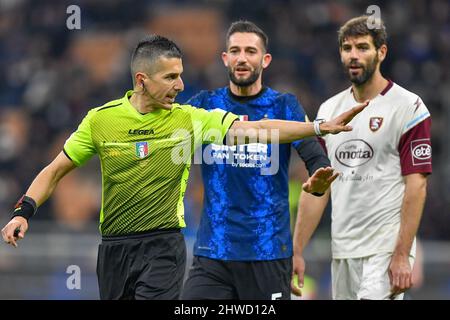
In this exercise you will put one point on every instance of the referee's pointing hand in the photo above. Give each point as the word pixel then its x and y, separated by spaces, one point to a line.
pixel 15 230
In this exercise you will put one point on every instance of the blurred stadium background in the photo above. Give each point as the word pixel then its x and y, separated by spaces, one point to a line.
pixel 50 76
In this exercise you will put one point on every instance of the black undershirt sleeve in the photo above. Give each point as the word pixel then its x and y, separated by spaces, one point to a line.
pixel 313 155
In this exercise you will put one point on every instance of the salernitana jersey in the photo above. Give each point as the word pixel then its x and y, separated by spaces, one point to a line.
pixel 390 139
pixel 145 160
pixel 246 211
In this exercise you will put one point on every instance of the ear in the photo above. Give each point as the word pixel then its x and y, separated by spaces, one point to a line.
pixel 382 51
pixel 340 55
pixel 267 59
pixel 139 78
pixel 225 59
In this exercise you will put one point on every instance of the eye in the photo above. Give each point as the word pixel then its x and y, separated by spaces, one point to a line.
pixel 171 77
pixel 363 47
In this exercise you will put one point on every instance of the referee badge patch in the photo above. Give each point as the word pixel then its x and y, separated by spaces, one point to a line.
pixel 375 123
pixel 141 149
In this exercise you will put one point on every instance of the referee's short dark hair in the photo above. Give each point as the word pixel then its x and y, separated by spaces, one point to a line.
pixel 245 26
pixel 151 48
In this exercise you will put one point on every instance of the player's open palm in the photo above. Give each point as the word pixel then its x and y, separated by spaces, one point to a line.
pixel 339 123
pixel 15 230
pixel 320 181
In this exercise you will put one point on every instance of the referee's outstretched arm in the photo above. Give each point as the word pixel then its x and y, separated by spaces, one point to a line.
pixel 243 132
pixel 40 189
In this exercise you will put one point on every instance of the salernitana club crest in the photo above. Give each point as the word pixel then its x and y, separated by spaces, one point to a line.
pixel 141 149
pixel 375 123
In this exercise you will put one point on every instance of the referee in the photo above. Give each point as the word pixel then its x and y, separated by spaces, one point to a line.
pixel 145 142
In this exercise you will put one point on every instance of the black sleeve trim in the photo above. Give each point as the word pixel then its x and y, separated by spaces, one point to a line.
pixel 225 137
pixel 67 155
pixel 107 107
pixel 224 116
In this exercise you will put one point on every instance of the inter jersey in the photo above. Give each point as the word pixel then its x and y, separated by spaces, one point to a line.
pixel 145 160
pixel 246 211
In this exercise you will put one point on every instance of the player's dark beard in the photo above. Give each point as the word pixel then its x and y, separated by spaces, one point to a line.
pixel 367 71
pixel 244 82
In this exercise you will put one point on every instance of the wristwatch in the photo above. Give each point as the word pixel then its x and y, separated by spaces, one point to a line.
pixel 316 124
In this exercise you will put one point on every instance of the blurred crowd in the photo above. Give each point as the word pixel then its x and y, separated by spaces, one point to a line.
pixel 51 76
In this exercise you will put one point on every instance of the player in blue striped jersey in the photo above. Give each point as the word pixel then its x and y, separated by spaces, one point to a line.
pixel 243 248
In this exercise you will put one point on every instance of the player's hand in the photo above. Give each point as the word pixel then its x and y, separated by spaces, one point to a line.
pixel 15 230
pixel 400 274
pixel 320 181
pixel 298 274
pixel 339 123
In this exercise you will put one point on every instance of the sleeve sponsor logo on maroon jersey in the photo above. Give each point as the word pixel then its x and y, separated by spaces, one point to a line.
pixel 421 151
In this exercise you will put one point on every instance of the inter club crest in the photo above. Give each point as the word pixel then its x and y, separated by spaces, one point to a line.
pixel 141 149
pixel 375 123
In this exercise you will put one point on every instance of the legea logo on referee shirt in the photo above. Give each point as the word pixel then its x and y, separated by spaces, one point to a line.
pixel 141 149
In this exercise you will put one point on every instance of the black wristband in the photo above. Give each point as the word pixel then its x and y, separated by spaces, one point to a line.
pixel 317 194
pixel 26 207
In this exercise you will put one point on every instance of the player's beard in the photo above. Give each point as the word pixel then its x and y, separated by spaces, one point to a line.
pixel 244 82
pixel 366 74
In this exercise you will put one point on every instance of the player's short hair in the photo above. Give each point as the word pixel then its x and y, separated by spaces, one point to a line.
pixel 149 50
pixel 245 26
pixel 361 26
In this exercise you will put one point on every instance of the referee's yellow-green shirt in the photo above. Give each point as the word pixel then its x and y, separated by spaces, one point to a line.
pixel 145 160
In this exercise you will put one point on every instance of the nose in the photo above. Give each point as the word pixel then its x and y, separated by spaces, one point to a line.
pixel 241 57
pixel 354 54
pixel 179 85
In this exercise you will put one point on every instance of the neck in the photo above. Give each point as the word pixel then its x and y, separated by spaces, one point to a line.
pixel 369 90
pixel 251 90
pixel 142 103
